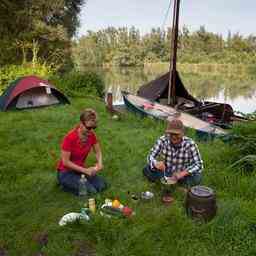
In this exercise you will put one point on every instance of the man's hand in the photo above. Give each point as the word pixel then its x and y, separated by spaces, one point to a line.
pixel 180 175
pixel 160 165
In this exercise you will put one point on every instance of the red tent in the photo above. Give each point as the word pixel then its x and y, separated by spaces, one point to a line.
pixel 31 92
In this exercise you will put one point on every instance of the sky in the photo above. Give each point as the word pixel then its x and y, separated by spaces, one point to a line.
pixel 218 16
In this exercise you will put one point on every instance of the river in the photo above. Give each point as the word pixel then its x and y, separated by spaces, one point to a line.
pixel 238 90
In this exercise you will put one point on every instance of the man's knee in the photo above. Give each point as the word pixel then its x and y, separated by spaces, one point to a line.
pixel 193 180
pixel 150 174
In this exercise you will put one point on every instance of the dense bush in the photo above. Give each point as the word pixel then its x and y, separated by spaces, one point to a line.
pixel 75 84
pixel 72 84
pixel 12 72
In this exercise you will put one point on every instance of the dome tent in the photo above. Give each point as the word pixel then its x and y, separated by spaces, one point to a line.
pixel 31 92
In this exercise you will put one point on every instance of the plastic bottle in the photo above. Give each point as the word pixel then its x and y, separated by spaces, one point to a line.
pixel 82 189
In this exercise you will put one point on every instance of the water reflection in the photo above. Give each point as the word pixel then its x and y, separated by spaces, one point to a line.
pixel 237 90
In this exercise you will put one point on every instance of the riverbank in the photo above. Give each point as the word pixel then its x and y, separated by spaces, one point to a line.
pixel 32 203
pixel 227 70
pixel 236 89
pixel 214 69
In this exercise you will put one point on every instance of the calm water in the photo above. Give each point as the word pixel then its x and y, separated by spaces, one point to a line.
pixel 235 89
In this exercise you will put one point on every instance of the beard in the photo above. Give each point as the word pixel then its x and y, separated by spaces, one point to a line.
pixel 177 144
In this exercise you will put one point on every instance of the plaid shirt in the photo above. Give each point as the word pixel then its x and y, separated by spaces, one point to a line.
pixel 185 156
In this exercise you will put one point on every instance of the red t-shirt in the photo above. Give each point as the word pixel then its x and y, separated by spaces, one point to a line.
pixel 78 149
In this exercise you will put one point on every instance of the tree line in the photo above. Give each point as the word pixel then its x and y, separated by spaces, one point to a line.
pixel 128 47
pixel 44 31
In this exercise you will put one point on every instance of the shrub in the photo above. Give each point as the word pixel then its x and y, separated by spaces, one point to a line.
pixel 75 84
pixel 12 72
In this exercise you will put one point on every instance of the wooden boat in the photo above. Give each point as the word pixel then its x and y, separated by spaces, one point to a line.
pixel 168 89
pixel 220 114
pixel 146 107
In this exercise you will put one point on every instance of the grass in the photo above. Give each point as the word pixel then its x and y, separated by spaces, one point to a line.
pixel 31 203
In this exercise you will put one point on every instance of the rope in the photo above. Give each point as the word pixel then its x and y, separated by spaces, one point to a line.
pixel 166 15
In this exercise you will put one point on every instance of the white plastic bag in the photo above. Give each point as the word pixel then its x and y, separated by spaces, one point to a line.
pixel 71 217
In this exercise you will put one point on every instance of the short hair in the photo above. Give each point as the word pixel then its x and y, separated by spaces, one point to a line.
pixel 88 114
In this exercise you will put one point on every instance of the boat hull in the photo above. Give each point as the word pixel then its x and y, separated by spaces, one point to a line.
pixel 147 108
pixel 221 114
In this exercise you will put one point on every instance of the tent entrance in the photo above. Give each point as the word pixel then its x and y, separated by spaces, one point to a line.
pixel 36 97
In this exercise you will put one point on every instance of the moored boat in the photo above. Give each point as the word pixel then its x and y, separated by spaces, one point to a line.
pixel 169 90
pixel 220 114
pixel 149 108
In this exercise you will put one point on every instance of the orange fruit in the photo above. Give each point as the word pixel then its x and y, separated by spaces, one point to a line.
pixel 116 203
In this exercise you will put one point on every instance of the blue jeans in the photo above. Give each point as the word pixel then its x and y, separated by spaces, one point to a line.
pixel 69 181
pixel 154 175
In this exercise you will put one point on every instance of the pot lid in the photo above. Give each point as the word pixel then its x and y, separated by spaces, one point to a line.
pixel 202 191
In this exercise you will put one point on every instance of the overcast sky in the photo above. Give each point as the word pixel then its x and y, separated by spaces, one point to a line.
pixel 218 16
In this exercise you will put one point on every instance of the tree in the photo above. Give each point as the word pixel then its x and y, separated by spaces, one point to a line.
pixel 50 24
pixel 86 52
pixel 126 47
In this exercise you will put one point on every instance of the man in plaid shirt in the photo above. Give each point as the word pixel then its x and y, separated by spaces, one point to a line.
pixel 175 156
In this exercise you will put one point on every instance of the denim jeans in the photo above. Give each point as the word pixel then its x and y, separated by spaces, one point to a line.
pixel 69 180
pixel 154 175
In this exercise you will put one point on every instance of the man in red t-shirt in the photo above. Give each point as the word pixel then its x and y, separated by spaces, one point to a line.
pixel 75 148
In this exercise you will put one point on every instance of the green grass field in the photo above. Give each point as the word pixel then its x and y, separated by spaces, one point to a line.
pixel 31 203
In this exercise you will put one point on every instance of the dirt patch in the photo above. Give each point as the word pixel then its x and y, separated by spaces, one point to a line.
pixel 41 238
pixel 3 252
pixel 84 248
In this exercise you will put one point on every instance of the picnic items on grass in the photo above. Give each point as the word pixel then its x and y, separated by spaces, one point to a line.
pixel 147 195
pixel 115 208
pixel 72 217
pixel 201 203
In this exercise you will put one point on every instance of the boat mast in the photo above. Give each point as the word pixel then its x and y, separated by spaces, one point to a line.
pixel 172 100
